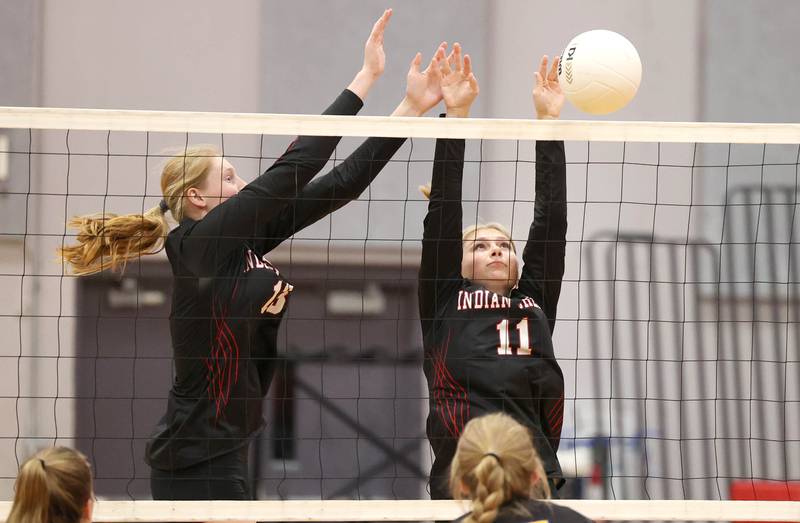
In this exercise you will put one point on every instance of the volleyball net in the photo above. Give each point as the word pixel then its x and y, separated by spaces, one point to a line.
pixel 677 330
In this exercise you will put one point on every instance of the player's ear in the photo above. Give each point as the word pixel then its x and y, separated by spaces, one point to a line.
pixel 194 197
pixel 88 509
pixel 536 481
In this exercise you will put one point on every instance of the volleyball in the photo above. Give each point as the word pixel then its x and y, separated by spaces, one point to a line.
pixel 600 71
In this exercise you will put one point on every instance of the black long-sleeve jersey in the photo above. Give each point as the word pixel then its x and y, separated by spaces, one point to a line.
pixel 228 299
pixel 485 352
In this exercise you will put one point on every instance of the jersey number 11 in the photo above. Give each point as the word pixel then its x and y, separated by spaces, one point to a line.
pixel 504 348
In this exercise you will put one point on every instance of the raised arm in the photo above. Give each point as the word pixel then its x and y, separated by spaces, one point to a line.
pixel 440 267
pixel 348 180
pixel 543 257
pixel 244 216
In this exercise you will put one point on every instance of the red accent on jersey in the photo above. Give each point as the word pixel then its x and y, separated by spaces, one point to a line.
pixel 556 416
pixel 449 397
pixel 223 362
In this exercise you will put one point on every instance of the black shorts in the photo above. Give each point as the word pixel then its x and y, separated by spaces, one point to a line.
pixel 225 477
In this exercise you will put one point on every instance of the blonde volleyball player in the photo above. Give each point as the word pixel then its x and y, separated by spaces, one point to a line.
pixel 487 332
pixel 228 299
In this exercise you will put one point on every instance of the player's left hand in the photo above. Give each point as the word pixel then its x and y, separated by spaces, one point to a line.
pixel 374 56
pixel 548 98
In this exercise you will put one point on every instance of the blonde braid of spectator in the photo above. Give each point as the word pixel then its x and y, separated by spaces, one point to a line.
pixel 491 490
pixel 495 462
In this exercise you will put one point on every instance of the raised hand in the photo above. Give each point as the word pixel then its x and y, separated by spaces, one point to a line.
pixel 459 85
pixel 374 58
pixel 548 98
pixel 423 88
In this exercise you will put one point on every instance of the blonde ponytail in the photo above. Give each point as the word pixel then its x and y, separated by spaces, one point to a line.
pixel 53 486
pixel 31 494
pixel 109 241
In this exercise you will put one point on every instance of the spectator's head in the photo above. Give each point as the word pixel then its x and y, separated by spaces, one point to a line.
pixel 496 462
pixel 53 486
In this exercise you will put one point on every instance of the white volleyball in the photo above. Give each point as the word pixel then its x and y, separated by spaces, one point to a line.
pixel 600 71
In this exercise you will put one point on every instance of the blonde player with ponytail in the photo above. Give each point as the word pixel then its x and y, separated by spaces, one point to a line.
pixel 228 299
pixel 497 467
pixel 53 486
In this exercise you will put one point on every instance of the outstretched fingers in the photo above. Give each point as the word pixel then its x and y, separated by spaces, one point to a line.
pixel 457 57
pixel 467 65
pixel 415 63
pixel 547 95
pixel 438 56
pixel 473 82
pixel 543 67
pixel 553 76
pixel 448 64
pixel 380 27
pixel 437 59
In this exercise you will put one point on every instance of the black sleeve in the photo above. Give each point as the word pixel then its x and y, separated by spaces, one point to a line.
pixel 326 194
pixel 440 268
pixel 241 217
pixel 543 257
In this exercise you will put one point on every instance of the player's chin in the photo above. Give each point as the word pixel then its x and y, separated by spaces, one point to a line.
pixel 499 273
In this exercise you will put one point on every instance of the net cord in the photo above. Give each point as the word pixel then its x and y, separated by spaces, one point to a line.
pixel 468 128
pixel 415 510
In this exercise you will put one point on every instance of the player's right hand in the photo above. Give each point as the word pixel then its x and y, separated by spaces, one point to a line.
pixel 459 85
